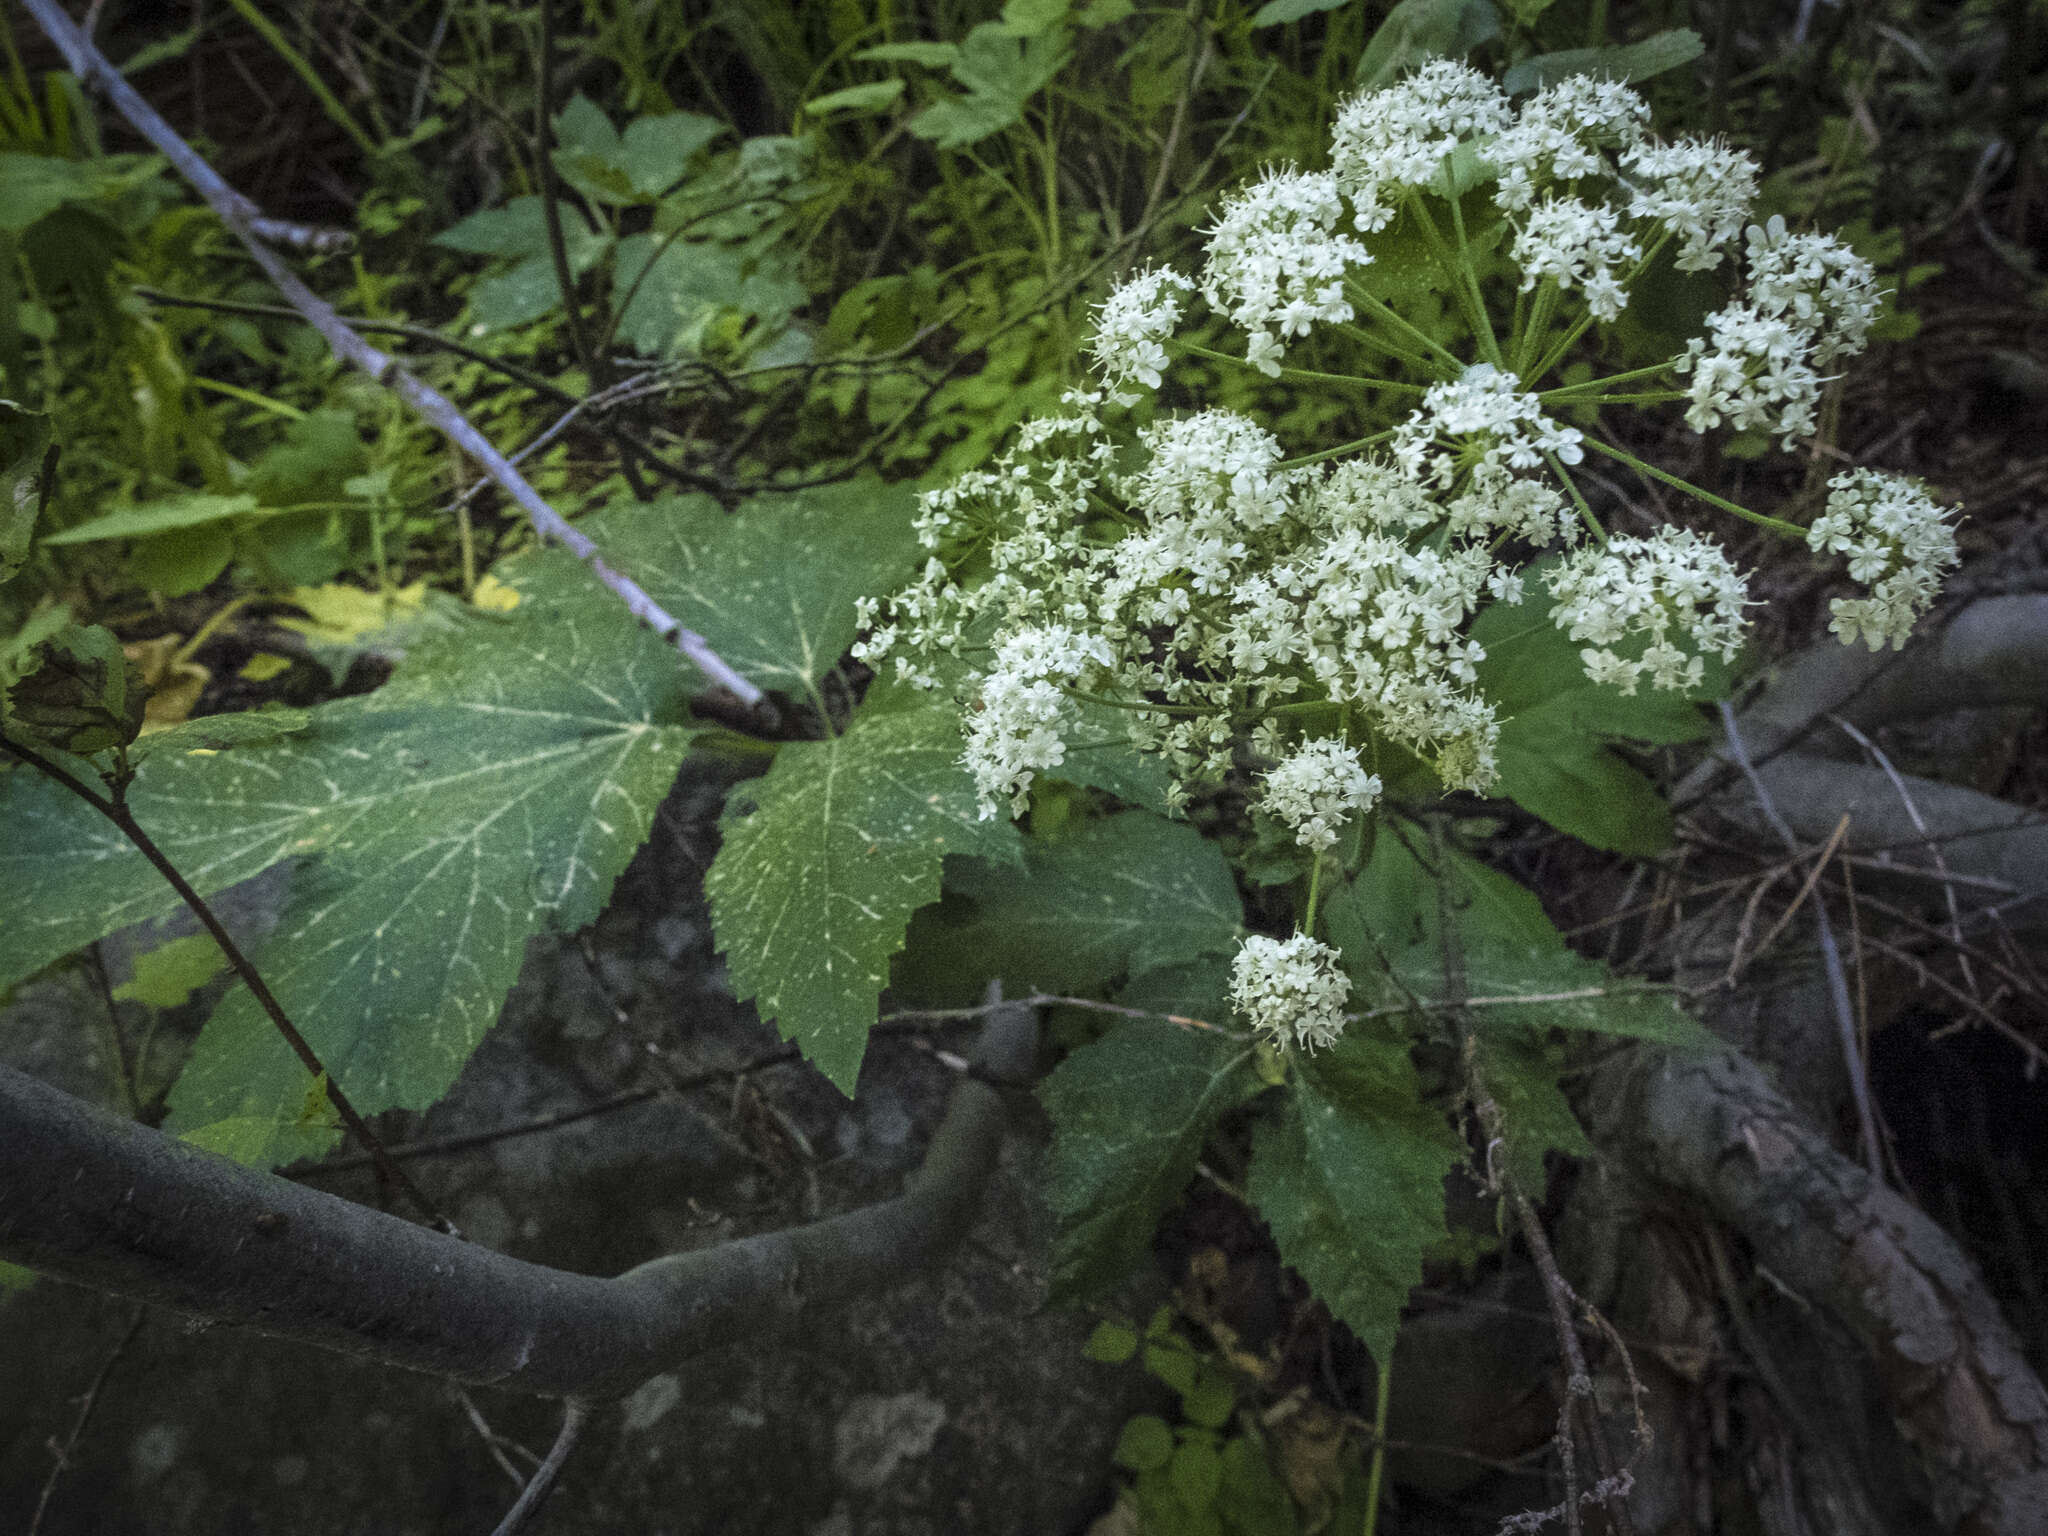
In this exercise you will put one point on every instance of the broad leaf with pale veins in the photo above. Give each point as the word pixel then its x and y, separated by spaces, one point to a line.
pixel 1112 898
pixel 1388 924
pixel 494 788
pixel 815 884
pixel 771 586
pixel 1350 1178
pixel 1129 1115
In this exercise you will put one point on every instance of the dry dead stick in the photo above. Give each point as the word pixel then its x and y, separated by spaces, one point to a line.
pixel 86 1404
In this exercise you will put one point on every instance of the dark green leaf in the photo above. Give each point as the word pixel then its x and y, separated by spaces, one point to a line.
pixel 28 460
pixel 1555 756
pixel 1129 1114
pixel 190 511
pixel 1118 897
pixel 1617 61
pixel 1417 31
pixel 825 859
pixel 78 693
pixel 872 97
pixel 1146 1443
pixel 222 733
pixel 1388 925
pixel 656 151
pixel 1519 1071
pixel 1350 1178
pixel 773 585
pixel 1276 13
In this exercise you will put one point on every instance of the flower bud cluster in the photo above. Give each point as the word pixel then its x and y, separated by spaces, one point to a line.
pixel 1898 543
pixel 1291 989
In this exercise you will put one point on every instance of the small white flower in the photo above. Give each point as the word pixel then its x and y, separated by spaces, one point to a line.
pixel 1016 730
pixel 1483 409
pixel 1699 189
pixel 1577 245
pixel 1317 788
pixel 1135 317
pixel 1292 989
pixel 1817 283
pixel 1672 584
pixel 1276 263
pixel 1397 137
pixel 1560 136
pixel 1898 541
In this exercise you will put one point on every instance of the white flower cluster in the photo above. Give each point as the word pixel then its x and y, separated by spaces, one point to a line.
pixel 1133 320
pixel 1488 419
pixel 1317 788
pixel 1577 245
pixel 1226 605
pixel 1293 989
pixel 1397 139
pixel 1898 542
pixel 1276 263
pixel 1673 585
pixel 1588 189
pixel 1811 301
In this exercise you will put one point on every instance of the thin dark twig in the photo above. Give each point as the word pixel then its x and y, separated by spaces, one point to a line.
pixel 62 1453
pixel 575 1414
pixel 115 808
pixel 596 365
pixel 236 211
pixel 1830 954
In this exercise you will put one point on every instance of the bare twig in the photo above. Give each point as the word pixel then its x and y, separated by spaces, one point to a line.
pixel 61 1454
pixel 575 1414
pixel 1948 890
pixel 1831 957
pixel 1806 886
pixel 237 212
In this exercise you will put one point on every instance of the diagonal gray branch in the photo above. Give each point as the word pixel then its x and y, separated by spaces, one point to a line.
pixel 112 1205
pixel 242 216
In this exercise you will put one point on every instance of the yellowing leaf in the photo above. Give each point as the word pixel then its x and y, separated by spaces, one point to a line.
pixel 167 976
pixel 263 666
pixel 493 596
pixel 337 613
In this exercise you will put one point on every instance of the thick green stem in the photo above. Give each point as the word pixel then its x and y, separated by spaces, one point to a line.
pixel 1775 524
pixel 1379 1445
pixel 1429 344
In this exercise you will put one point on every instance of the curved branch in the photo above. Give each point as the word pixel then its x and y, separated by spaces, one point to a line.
pixel 113 1205
pixel 1952 1373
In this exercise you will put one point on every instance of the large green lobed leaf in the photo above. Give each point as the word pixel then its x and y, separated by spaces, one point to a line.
pixel 496 787
pixel 772 586
pixel 825 859
pixel 1129 1115
pixel 1113 898
pixel 1350 1179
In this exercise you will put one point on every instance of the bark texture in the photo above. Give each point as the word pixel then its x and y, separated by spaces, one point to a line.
pixel 106 1203
pixel 1950 1369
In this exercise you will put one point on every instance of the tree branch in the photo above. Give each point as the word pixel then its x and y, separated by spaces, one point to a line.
pixel 238 213
pixel 106 1203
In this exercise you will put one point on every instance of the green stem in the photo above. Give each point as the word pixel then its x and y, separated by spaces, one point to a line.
pixel 1564 390
pixel 1529 343
pixel 1429 344
pixel 1570 339
pixel 1315 890
pixel 1585 512
pixel 1138 706
pixel 1305 373
pixel 1379 1446
pixel 1482 323
pixel 1775 524
pixel 1341 448
pixel 1414 360
pixel 1646 397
